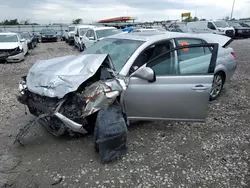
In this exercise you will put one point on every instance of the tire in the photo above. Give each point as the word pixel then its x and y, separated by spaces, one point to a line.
pixel 66 40
pixel 217 86
pixel 80 48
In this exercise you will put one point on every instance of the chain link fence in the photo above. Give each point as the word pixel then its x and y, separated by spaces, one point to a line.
pixel 33 28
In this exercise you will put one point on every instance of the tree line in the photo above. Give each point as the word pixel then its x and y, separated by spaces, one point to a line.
pixel 16 22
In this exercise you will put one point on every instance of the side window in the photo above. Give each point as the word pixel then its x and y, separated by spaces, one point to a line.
pixel 88 33
pixel 167 64
pixel 210 25
pixel 92 34
pixel 164 65
pixel 187 53
pixel 150 53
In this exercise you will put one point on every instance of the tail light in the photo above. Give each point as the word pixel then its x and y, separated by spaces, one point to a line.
pixel 233 54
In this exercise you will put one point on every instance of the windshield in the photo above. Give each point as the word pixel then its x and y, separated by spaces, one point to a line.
pixel 82 31
pixel 222 24
pixel 71 28
pixel 120 50
pixel 107 32
pixel 48 32
pixel 235 24
pixel 8 38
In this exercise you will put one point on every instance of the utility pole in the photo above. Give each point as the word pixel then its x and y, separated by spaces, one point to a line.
pixel 196 11
pixel 232 10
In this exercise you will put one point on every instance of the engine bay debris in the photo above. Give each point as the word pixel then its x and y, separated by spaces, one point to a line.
pixel 73 95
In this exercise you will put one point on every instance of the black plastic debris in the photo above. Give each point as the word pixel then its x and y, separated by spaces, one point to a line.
pixel 111 133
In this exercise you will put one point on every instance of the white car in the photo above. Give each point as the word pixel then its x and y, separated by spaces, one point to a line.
pixel 12 47
pixel 216 27
pixel 69 37
pixel 95 34
pixel 80 30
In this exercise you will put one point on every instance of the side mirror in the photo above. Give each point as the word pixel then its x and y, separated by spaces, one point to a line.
pixel 22 40
pixel 66 30
pixel 91 38
pixel 145 73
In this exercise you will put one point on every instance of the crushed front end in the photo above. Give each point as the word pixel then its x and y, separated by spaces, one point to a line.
pixel 61 109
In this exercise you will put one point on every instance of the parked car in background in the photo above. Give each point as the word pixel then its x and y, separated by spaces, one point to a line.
pixel 98 33
pixel 159 28
pixel 240 31
pixel 69 36
pixel 80 30
pixel 12 47
pixel 128 29
pixel 48 35
pixel 180 29
pixel 64 35
pixel 244 24
pixel 216 27
pixel 30 38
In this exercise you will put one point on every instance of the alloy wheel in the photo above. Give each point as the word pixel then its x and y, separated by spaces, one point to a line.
pixel 216 86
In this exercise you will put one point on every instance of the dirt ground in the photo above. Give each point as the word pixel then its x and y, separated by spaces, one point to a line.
pixel 161 154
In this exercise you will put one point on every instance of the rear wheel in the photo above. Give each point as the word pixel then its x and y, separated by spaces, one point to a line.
pixel 217 86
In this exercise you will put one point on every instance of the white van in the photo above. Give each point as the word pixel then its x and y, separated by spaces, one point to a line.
pixel 217 27
pixel 79 33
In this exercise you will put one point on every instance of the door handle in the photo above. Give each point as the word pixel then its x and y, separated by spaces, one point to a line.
pixel 199 88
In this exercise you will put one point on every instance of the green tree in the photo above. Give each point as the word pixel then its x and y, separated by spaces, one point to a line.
pixel 77 21
pixel 10 22
pixel 188 19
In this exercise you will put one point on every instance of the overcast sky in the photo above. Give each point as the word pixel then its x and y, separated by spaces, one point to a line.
pixel 49 11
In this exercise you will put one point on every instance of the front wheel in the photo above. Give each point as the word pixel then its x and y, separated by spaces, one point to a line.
pixel 217 86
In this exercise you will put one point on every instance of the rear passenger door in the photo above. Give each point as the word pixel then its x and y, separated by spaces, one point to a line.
pixel 181 90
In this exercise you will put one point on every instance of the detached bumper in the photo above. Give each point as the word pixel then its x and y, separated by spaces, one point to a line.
pixel 15 58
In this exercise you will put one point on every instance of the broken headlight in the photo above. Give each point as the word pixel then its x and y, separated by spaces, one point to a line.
pixel 22 86
pixel 16 51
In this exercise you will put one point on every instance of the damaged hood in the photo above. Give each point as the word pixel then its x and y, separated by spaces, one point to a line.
pixel 8 45
pixel 59 76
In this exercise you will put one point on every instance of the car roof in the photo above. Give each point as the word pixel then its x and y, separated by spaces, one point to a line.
pixel 103 28
pixel 154 36
pixel 146 29
pixel 85 26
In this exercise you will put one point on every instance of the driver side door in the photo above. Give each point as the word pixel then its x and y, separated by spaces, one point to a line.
pixel 180 91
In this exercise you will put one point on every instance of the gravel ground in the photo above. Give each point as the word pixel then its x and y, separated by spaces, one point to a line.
pixel 214 154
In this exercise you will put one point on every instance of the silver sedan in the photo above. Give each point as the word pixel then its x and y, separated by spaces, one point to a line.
pixel 171 76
